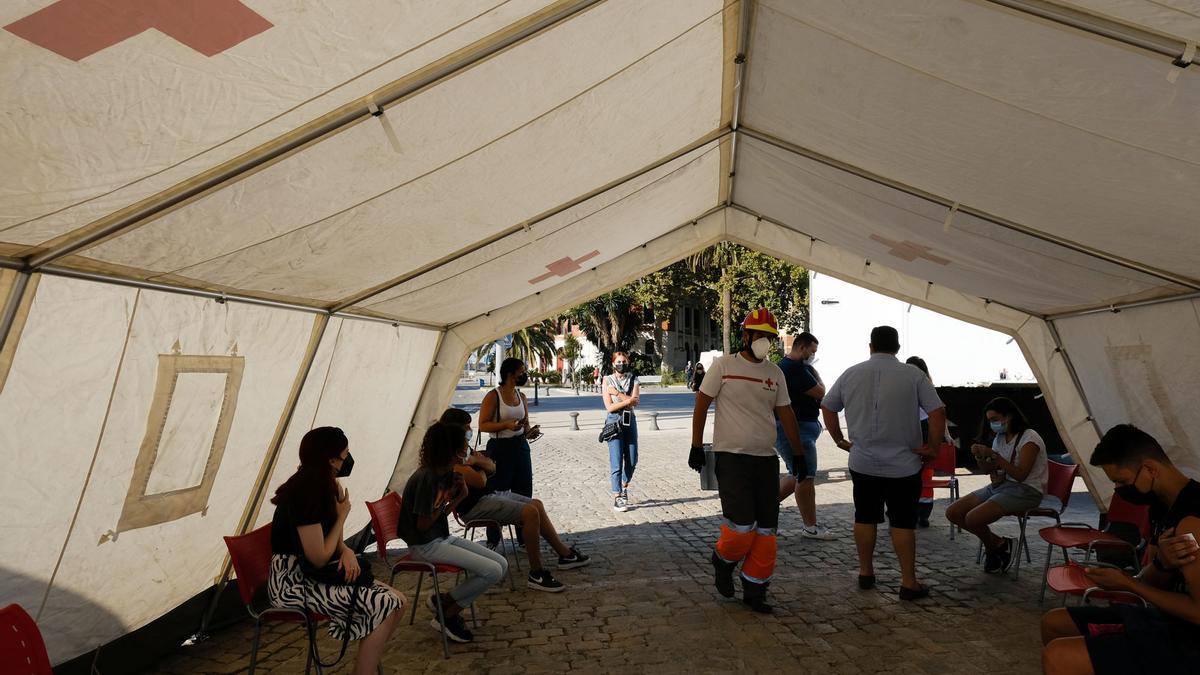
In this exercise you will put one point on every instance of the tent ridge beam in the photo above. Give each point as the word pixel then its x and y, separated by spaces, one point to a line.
pixel 711 137
pixel 56 271
pixel 756 214
pixel 1118 306
pixel 984 215
pixel 1173 48
pixel 745 15
pixel 271 151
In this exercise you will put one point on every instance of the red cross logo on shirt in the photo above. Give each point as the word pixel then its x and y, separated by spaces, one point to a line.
pixel 769 382
pixel 563 266
pixel 77 29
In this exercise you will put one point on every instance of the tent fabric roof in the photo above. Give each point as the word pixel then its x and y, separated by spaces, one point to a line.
pixel 463 168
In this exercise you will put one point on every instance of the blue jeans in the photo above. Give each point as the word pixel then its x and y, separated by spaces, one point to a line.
pixel 622 452
pixel 809 432
pixel 484 567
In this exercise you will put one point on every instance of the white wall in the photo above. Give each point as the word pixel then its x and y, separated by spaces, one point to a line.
pixel 958 353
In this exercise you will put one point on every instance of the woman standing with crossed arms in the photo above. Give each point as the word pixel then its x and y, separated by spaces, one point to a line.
pixel 622 394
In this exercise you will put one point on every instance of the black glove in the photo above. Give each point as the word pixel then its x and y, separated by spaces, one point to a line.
pixel 696 458
pixel 800 467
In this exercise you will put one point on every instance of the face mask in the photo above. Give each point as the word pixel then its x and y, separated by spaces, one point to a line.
pixel 811 360
pixel 621 367
pixel 347 466
pixel 760 348
pixel 469 435
pixel 522 380
pixel 1134 496
pixel 997 427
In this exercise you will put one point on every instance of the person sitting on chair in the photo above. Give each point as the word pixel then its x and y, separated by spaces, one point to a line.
pixel 1016 461
pixel 1163 638
pixel 510 508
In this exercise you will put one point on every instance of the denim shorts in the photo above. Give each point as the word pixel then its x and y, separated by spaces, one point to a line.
pixel 809 432
pixel 1011 496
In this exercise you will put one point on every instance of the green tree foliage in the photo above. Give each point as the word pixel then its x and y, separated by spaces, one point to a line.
pixel 528 343
pixel 611 321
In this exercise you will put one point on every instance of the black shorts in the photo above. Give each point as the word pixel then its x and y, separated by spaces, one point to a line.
pixel 1128 640
pixel 749 489
pixel 900 495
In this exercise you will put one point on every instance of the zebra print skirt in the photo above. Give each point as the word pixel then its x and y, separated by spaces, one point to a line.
pixel 288 587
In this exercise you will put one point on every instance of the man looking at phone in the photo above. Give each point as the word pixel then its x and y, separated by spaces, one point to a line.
pixel 1165 637
pixel 750 392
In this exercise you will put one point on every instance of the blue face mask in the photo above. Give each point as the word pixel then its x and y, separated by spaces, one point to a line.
pixel 997 427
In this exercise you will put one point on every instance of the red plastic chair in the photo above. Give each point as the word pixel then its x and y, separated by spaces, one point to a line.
pixel 251 557
pixel 1059 481
pixel 944 464
pixel 22 650
pixel 1079 536
pixel 385 517
pixel 1070 579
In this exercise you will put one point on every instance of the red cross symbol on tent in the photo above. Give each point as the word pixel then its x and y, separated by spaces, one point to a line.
pixel 77 29
pixel 563 266
pixel 909 251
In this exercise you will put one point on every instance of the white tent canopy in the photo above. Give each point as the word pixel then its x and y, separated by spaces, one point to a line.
pixel 222 224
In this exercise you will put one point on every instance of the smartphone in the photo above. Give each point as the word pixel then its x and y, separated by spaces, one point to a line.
pixel 626 417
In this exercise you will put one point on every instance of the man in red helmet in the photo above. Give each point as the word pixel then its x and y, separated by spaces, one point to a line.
pixel 750 392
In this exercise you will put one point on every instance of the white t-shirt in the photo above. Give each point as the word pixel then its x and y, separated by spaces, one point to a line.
pixel 746 394
pixel 1039 472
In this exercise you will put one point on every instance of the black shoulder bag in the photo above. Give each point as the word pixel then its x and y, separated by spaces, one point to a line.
pixel 330 575
pixel 613 429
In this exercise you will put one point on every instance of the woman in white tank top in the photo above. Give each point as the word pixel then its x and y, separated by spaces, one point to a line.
pixel 504 416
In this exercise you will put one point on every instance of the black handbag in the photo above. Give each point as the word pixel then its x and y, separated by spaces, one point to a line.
pixel 330 575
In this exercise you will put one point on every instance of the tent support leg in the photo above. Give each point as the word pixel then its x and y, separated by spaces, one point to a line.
pixel 12 303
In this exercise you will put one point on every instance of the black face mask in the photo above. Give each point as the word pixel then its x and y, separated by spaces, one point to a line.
pixel 347 466
pixel 522 380
pixel 1134 496
pixel 621 368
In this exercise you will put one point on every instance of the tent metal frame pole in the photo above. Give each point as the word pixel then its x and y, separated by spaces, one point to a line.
pixel 739 79
pixel 711 137
pixel 260 488
pixel 801 151
pixel 12 304
pixel 1172 48
pixel 56 271
pixel 277 149
pixel 1118 306
pixel 1062 351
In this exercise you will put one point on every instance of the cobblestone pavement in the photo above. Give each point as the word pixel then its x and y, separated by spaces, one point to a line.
pixel 647 600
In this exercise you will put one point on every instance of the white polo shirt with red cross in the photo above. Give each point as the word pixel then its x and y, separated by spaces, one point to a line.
pixel 746 394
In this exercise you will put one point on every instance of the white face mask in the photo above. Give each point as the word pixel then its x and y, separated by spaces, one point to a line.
pixel 760 348
pixel 811 360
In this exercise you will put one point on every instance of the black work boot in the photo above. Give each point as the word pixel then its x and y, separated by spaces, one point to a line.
pixel 723 575
pixel 755 596
pixel 924 510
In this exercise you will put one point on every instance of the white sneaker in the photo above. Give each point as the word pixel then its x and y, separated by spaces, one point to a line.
pixel 620 505
pixel 817 531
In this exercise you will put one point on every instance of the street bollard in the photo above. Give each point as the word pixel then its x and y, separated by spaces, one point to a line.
pixel 535 392
pixel 654 420
pixel 574 421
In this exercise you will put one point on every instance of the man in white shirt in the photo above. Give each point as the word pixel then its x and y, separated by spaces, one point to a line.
pixel 881 397
pixel 750 392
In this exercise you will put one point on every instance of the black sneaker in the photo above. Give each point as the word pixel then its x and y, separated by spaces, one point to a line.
pixel 544 581
pixel 991 561
pixel 454 628
pixel 723 575
pixel 1004 555
pixel 576 559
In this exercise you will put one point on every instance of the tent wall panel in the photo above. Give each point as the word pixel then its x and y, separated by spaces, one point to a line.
pixel 59 390
pixel 267 85
pixel 461 339
pixel 909 233
pixel 1141 365
pixel 854 104
pixel 196 403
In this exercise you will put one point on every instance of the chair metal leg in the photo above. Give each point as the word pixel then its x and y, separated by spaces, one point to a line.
pixel 979 555
pixel 254 645
pixel 1017 554
pixel 441 615
pixel 512 585
pixel 1046 572
pixel 512 531
pixel 310 628
pixel 417 596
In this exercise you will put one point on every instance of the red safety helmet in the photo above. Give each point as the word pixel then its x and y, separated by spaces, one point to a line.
pixel 761 320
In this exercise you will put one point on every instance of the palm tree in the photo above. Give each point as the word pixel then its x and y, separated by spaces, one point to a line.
pixel 720 260
pixel 611 321
pixel 529 344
